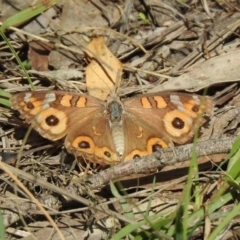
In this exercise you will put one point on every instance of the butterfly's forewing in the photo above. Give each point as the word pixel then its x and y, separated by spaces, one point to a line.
pixel 53 114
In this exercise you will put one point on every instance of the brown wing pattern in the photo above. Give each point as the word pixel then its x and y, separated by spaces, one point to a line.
pixel 157 120
pixel 54 114
pixel 147 122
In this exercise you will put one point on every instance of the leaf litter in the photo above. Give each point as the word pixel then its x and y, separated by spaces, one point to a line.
pixel 158 46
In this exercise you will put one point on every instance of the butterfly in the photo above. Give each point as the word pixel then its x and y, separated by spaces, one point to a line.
pixel 113 131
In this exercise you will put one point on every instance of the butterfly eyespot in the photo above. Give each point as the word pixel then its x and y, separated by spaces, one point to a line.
pixel 155 144
pixel 195 108
pixel 156 147
pixel 106 153
pixel 136 156
pixel 178 123
pixel 29 105
pixel 52 120
pixel 84 144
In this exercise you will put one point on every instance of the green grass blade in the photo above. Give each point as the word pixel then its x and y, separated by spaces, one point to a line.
pixel 17 58
pixel 2 228
pixel 125 206
pixel 27 14
pixel 225 221
pixel 5 94
pixel 4 98
pixel 130 228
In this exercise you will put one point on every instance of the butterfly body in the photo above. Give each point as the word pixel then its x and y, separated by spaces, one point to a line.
pixel 113 131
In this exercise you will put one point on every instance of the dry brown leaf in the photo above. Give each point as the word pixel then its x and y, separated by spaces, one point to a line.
pixel 103 71
pixel 220 69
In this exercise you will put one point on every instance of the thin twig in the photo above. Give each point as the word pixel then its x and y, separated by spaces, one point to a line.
pixel 165 157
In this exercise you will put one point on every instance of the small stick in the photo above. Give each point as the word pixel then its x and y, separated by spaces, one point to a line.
pixel 165 157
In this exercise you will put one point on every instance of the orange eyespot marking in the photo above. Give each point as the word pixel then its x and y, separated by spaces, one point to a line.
pixel 30 104
pixel 81 102
pixel 106 154
pixel 196 108
pixel 145 103
pixel 135 154
pixel 66 101
pixel 161 103
pixel 177 123
pixel 201 108
pixel 52 120
pixel 155 144
pixel 190 109
pixel 34 107
pixel 83 144
pixel 31 107
pixel 201 105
